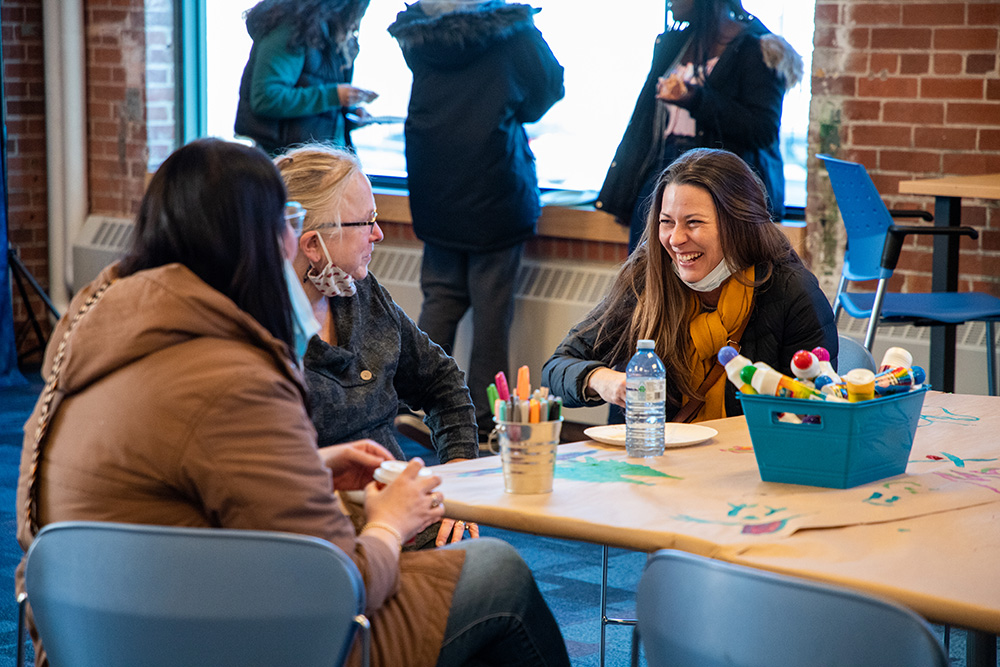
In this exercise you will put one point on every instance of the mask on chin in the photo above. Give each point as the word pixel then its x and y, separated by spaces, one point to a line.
pixel 715 277
pixel 332 280
pixel 304 322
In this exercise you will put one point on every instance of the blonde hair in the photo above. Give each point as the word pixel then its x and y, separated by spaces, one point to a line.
pixel 316 176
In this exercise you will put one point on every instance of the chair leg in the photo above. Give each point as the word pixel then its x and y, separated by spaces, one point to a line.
pixel 21 601
pixel 875 314
pixel 991 378
pixel 365 627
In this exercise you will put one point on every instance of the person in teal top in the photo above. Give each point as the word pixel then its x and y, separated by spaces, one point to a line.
pixel 296 86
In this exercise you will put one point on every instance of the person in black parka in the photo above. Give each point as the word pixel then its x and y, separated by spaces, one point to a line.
pixel 481 69
pixel 717 80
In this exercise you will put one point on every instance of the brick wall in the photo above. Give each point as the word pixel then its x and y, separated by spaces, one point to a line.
pixel 21 22
pixel 160 104
pixel 910 89
pixel 116 105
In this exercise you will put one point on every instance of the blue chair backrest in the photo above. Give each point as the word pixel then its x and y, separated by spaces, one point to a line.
pixel 853 355
pixel 698 612
pixel 865 215
pixel 120 595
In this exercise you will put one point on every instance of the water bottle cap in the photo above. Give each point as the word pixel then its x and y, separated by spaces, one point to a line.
pixel 645 344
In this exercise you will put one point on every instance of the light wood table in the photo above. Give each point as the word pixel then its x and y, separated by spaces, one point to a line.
pixel 928 539
pixel 948 193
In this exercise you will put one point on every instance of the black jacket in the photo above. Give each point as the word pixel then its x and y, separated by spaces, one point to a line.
pixel 477 76
pixel 790 313
pixel 738 109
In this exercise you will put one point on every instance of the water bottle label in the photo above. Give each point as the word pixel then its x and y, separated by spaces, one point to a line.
pixel 645 390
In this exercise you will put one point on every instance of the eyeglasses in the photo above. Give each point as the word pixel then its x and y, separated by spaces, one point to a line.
pixel 295 215
pixel 370 224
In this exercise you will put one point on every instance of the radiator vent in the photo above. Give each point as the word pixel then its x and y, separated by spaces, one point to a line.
pixel 101 241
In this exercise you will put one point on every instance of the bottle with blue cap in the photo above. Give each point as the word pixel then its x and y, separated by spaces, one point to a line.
pixel 645 402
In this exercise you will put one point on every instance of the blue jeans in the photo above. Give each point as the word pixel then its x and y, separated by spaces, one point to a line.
pixel 453 281
pixel 498 616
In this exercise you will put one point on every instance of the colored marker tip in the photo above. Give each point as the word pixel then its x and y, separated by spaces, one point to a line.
pixel 918 375
pixel 821 353
pixel 727 354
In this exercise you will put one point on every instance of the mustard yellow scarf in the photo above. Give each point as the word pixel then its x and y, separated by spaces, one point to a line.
pixel 712 330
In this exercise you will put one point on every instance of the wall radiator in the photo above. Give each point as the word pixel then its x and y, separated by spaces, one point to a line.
pixel 552 296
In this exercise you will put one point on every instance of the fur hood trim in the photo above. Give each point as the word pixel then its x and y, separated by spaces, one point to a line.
pixel 464 32
pixel 782 58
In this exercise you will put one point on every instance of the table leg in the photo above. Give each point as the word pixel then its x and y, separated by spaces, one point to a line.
pixel 944 278
pixel 980 649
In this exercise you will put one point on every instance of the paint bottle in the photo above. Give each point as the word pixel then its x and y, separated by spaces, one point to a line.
pixel 825 367
pixel 770 382
pixel 831 388
pixel 860 385
pixel 895 357
pixel 805 365
pixel 897 380
pixel 734 362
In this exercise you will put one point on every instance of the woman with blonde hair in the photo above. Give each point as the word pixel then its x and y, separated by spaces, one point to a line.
pixel 368 355
pixel 711 268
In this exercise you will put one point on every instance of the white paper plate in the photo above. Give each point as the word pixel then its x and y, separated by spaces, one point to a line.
pixel 678 435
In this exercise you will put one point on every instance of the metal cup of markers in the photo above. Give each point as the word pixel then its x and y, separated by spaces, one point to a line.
pixel 528 454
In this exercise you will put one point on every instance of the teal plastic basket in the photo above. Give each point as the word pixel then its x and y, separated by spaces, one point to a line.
pixel 849 443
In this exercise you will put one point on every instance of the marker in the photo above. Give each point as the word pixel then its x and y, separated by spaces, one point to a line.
pixel 555 408
pixel 492 395
pixel 895 357
pixel 523 383
pixel 734 362
pixel 533 411
pixel 825 367
pixel 805 365
pixel 501 382
pixel 896 380
pixel 860 385
pixel 770 382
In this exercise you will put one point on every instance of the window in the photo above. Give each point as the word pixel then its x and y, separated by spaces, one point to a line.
pixel 605 50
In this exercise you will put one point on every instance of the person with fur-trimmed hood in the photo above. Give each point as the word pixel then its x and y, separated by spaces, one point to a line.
pixel 717 80
pixel 481 69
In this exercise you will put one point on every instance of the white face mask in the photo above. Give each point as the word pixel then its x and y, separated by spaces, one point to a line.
pixel 715 277
pixel 303 321
pixel 332 280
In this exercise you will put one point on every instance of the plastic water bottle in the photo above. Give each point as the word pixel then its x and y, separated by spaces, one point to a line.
pixel 645 402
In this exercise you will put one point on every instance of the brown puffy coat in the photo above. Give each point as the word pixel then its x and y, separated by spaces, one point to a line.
pixel 177 408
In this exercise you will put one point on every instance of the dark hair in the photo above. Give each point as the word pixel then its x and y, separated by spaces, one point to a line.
pixel 316 24
pixel 706 24
pixel 649 300
pixel 218 208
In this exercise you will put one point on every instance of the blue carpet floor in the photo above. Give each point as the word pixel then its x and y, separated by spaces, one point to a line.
pixel 568 573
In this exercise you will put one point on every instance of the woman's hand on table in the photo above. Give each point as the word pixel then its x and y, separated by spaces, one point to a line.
pixel 409 503
pixel 352 464
pixel 609 385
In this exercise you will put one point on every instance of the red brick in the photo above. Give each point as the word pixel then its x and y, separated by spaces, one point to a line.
pixel 933 14
pixel 861 110
pixel 928 113
pixel 917 283
pixel 989 140
pixel 835 85
pixel 984 14
pixel 914 63
pixel 945 137
pixel 909 161
pixel 947 63
pixel 859 38
pixel 980 63
pixel 886 63
pixel 978 114
pixel 951 89
pixel 989 239
pixel 971 163
pixel 988 286
pixel 873 14
pixel 901 39
pixel 881 135
pixel 886 184
pixel 993 89
pixel 827 13
pixel 967 39
pixel 868 158
pixel 824 37
pixel 905 87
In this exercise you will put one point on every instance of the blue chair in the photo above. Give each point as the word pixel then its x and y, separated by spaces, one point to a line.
pixel 873 246
pixel 853 355
pixel 698 612
pixel 121 595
